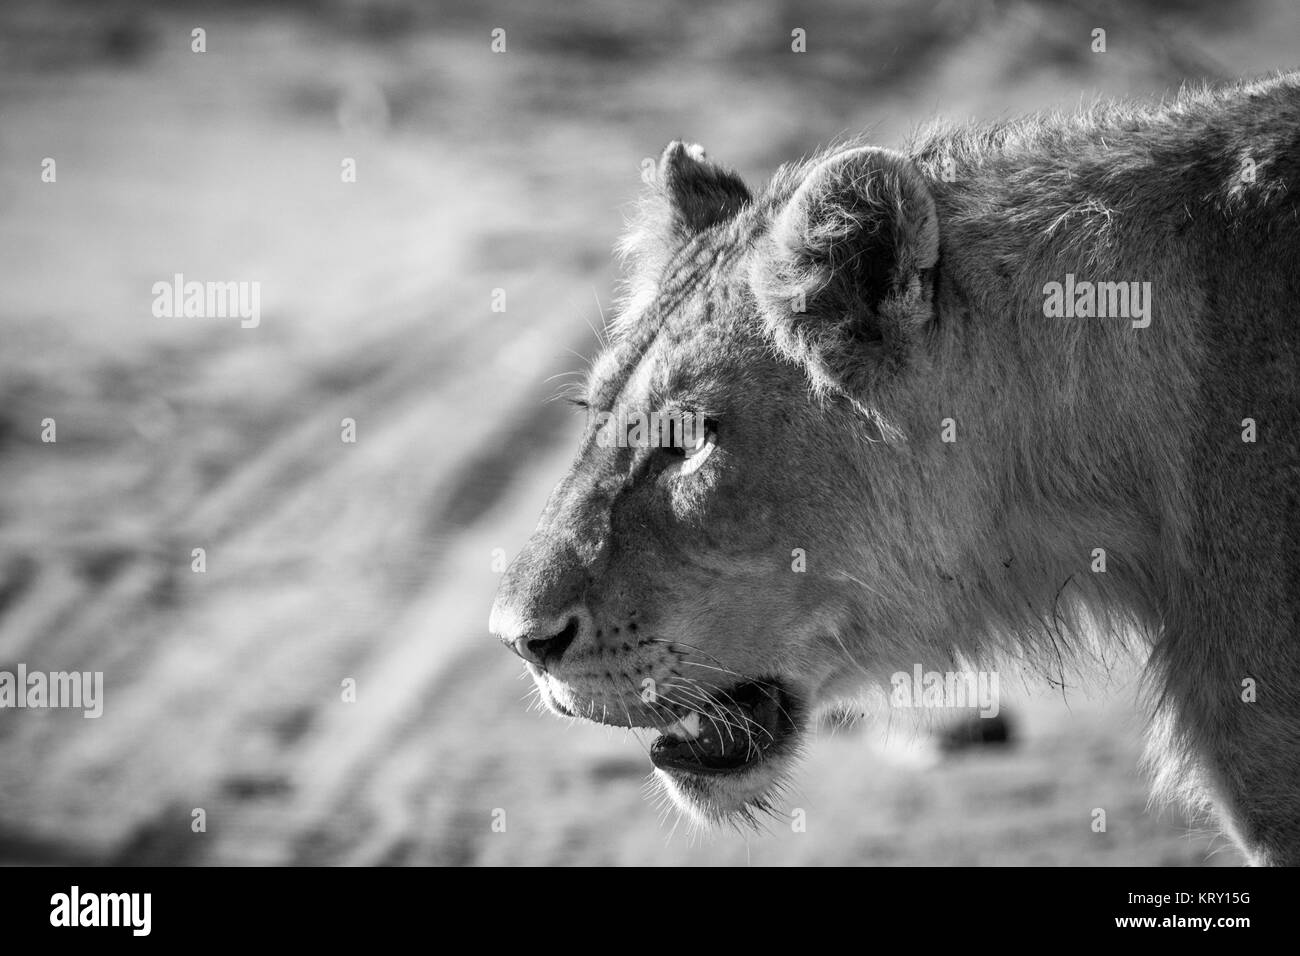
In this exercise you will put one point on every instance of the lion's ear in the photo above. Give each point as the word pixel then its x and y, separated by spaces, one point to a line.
pixel 697 192
pixel 687 194
pixel 845 275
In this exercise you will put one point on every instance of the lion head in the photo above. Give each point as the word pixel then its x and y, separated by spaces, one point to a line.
pixel 731 549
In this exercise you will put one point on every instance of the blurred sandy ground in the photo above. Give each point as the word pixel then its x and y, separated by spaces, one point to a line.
pixel 373 561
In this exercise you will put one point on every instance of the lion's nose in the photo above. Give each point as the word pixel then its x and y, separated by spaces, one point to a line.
pixel 541 644
pixel 546 650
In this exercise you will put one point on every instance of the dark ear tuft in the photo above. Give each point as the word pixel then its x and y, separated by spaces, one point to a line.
pixel 845 274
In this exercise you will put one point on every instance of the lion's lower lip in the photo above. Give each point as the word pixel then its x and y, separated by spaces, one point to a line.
pixel 750 721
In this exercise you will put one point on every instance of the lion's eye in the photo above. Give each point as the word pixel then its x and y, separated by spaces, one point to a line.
pixel 698 445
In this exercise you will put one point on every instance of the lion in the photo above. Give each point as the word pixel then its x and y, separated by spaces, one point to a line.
pixel 908 450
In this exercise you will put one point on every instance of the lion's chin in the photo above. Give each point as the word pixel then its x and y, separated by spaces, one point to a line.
pixel 736 798
pixel 732 781
pixel 722 761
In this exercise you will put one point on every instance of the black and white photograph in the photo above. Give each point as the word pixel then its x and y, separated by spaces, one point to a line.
pixel 650 434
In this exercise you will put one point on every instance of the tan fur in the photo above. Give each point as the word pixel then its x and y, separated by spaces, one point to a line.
pixel 833 322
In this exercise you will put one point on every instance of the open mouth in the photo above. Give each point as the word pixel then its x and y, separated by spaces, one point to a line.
pixel 745 725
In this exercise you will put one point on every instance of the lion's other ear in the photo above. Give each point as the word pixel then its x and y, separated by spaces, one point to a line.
pixel 844 277
pixel 687 194
pixel 698 193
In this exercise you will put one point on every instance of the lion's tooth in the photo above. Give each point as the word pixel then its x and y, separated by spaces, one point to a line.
pixel 690 725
